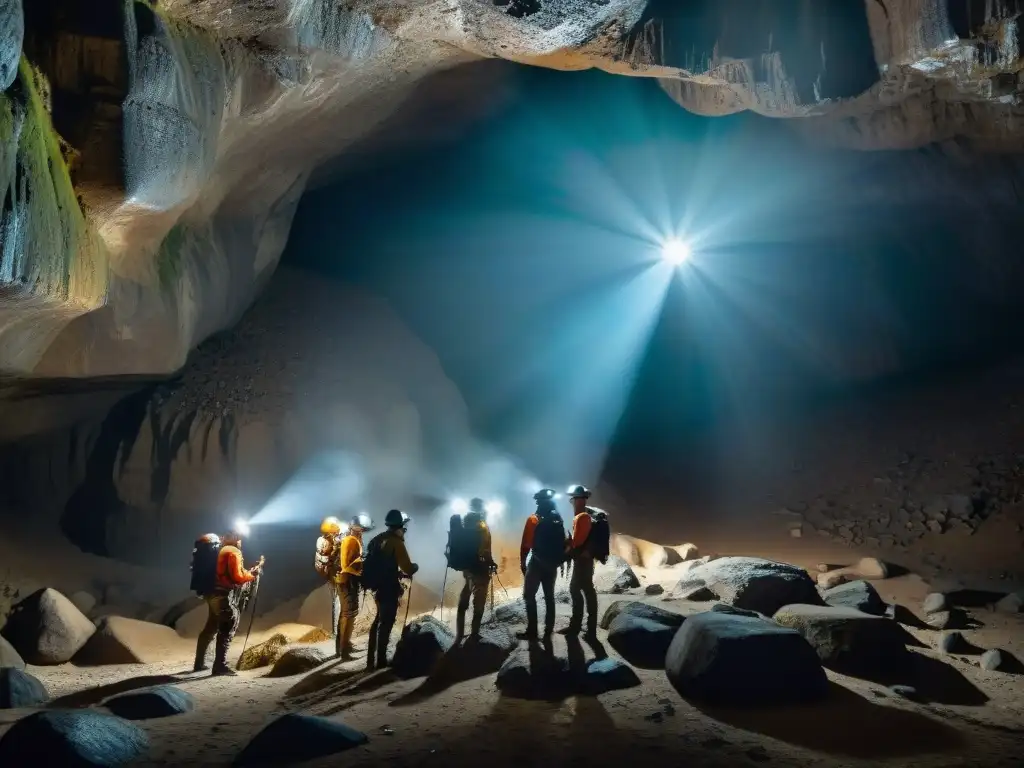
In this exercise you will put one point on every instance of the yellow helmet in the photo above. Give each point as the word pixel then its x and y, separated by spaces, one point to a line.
pixel 331 526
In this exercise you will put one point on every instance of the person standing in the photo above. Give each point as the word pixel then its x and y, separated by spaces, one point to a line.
pixel 477 566
pixel 541 553
pixel 350 571
pixel 385 562
pixel 581 581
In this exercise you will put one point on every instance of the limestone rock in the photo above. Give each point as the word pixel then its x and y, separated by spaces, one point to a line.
pixel 151 703
pixel 295 738
pixel 654 589
pixel 45 628
pixel 993 660
pixel 641 610
pixel 118 640
pixel 752 583
pixel 79 737
pixel 10 657
pixel 608 674
pixel 934 602
pixel 615 576
pixel 297 661
pixel 20 689
pixel 420 648
pixel 859 595
pixel 730 660
pixel 1011 603
pixel 640 641
pixel 848 640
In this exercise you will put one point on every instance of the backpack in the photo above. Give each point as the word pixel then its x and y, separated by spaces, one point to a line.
pixel 204 564
pixel 549 539
pixel 325 559
pixel 464 537
pixel 379 568
pixel 599 539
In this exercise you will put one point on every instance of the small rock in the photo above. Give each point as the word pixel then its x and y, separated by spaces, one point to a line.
pixel 297 661
pixel 1012 603
pixel 859 595
pixel 654 589
pixel 906 691
pixel 9 657
pixel 934 526
pixel 833 579
pixel 823 567
pixel 953 642
pixel 423 643
pixel 934 603
pixel 608 674
pixel 20 689
pixel 150 703
pixel 796 533
pixel 992 660
pixel 295 738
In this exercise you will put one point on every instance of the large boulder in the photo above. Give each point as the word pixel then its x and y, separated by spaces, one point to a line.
pixel 294 738
pixel 639 641
pixel 531 673
pixel 46 628
pixel 859 595
pixel 79 738
pixel 729 660
pixel 639 552
pixel 848 640
pixel 119 640
pixel 10 657
pixel 297 661
pixel 642 611
pixel 421 646
pixel 615 576
pixel 151 703
pixel 751 583
pixel 20 689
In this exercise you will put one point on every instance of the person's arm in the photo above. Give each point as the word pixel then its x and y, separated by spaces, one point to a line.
pixel 580 530
pixel 236 572
pixel 485 546
pixel 405 564
pixel 527 543
pixel 351 560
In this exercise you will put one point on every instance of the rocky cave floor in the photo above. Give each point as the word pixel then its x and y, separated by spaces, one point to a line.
pixel 956 712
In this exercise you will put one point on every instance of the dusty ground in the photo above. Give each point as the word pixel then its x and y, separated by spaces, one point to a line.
pixel 976 718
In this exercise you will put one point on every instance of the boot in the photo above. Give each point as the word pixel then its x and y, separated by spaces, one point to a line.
pixel 220 659
pixel 200 663
pixel 474 629
pixel 343 643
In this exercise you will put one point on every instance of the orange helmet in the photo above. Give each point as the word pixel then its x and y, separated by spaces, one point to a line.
pixel 331 526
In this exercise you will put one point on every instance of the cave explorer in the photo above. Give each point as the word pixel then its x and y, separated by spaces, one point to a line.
pixel 544 541
pixel 222 595
pixel 589 542
pixel 348 581
pixel 385 562
pixel 325 563
pixel 469 551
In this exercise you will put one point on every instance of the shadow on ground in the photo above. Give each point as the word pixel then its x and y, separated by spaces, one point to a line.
pixel 849 725
pixel 461 663
pixel 90 696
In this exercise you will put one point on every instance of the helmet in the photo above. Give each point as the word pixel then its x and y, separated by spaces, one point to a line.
pixel 331 526
pixel 362 521
pixel 476 505
pixel 396 519
pixel 544 494
pixel 579 492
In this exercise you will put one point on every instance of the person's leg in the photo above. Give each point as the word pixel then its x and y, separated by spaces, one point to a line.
pixel 335 607
pixel 460 612
pixel 349 610
pixel 589 593
pixel 371 642
pixel 576 594
pixel 531 583
pixel 227 626
pixel 480 583
pixel 388 616
pixel 207 634
pixel 547 583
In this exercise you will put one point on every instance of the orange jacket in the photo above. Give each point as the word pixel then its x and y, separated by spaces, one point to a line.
pixel 230 571
pixel 581 525
pixel 527 543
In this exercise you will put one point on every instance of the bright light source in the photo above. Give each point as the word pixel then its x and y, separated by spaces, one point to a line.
pixel 241 527
pixel 494 508
pixel 460 506
pixel 675 251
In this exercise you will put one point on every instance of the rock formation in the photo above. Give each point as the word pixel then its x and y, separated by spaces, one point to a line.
pixel 138 224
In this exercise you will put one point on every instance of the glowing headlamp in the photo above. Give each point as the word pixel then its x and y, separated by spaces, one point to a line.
pixel 460 506
pixel 494 507
pixel 675 251
pixel 241 526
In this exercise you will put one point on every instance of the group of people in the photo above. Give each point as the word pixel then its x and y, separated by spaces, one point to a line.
pixel 383 564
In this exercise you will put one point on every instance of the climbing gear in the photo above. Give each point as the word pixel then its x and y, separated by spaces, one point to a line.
pixel 598 542
pixel 325 561
pixel 408 603
pixel 204 564
pixel 243 604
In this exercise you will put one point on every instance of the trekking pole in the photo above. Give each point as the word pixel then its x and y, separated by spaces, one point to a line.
pixel 252 617
pixel 492 600
pixel 408 604
pixel 444 583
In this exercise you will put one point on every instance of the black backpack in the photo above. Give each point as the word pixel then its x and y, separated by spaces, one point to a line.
pixel 599 539
pixel 204 564
pixel 379 568
pixel 549 539
pixel 464 537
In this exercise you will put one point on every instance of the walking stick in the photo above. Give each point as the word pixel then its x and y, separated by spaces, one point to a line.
pixel 502 586
pixel 444 583
pixel 254 595
pixel 408 604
